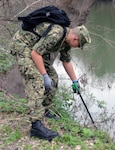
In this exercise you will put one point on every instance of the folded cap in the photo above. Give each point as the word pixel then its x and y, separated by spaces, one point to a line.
pixel 83 35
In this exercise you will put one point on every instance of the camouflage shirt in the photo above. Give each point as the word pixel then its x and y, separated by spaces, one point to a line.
pixel 47 44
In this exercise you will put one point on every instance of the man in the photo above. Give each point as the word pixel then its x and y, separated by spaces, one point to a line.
pixel 35 65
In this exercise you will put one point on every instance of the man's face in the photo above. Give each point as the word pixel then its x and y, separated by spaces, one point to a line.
pixel 74 42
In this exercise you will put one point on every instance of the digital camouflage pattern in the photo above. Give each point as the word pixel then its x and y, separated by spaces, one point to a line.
pixel 22 44
pixel 83 35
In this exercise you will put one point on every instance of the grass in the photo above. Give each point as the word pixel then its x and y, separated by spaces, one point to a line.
pixel 12 135
pixel 14 130
pixel 12 104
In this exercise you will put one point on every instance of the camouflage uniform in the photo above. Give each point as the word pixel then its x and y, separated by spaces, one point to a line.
pixel 22 44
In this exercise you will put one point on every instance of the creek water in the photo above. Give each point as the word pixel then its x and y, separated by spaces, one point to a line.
pixel 102 55
pixel 95 64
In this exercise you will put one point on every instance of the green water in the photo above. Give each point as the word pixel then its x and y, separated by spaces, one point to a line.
pixel 100 55
pixel 97 60
pixel 102 23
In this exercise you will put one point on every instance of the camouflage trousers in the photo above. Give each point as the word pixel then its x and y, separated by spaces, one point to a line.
pixel 38 98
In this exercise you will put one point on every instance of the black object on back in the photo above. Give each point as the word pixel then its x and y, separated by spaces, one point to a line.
pixel 46 14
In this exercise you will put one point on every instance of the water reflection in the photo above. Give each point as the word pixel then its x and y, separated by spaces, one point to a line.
pixel 97 60
pixel 102 26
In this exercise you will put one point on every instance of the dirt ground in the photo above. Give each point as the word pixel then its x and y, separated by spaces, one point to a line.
pixel 12 82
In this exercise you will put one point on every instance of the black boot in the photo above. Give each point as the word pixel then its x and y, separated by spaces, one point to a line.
pixel 48 114
pixel 38 130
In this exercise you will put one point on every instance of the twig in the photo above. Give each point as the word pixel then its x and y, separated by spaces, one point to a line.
pixel 106 40
pixel 25 9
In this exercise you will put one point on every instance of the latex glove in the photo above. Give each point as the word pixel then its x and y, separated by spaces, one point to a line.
pixel 48 83
pixel 75 86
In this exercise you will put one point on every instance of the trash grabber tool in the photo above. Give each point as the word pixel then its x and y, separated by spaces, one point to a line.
pixel 86 108
pixel 75 87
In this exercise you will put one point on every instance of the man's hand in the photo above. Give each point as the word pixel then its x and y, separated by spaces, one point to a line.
pixel 75 86
pixel 48 83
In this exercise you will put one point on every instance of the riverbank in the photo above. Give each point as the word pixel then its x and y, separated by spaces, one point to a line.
pixel 15 126
pixel 14 123
pixel 14 129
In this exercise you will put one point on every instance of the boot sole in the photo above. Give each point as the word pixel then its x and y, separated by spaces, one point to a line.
pixel 35 133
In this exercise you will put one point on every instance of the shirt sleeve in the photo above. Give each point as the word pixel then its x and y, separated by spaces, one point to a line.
pixel 48 43
pixel 65 54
